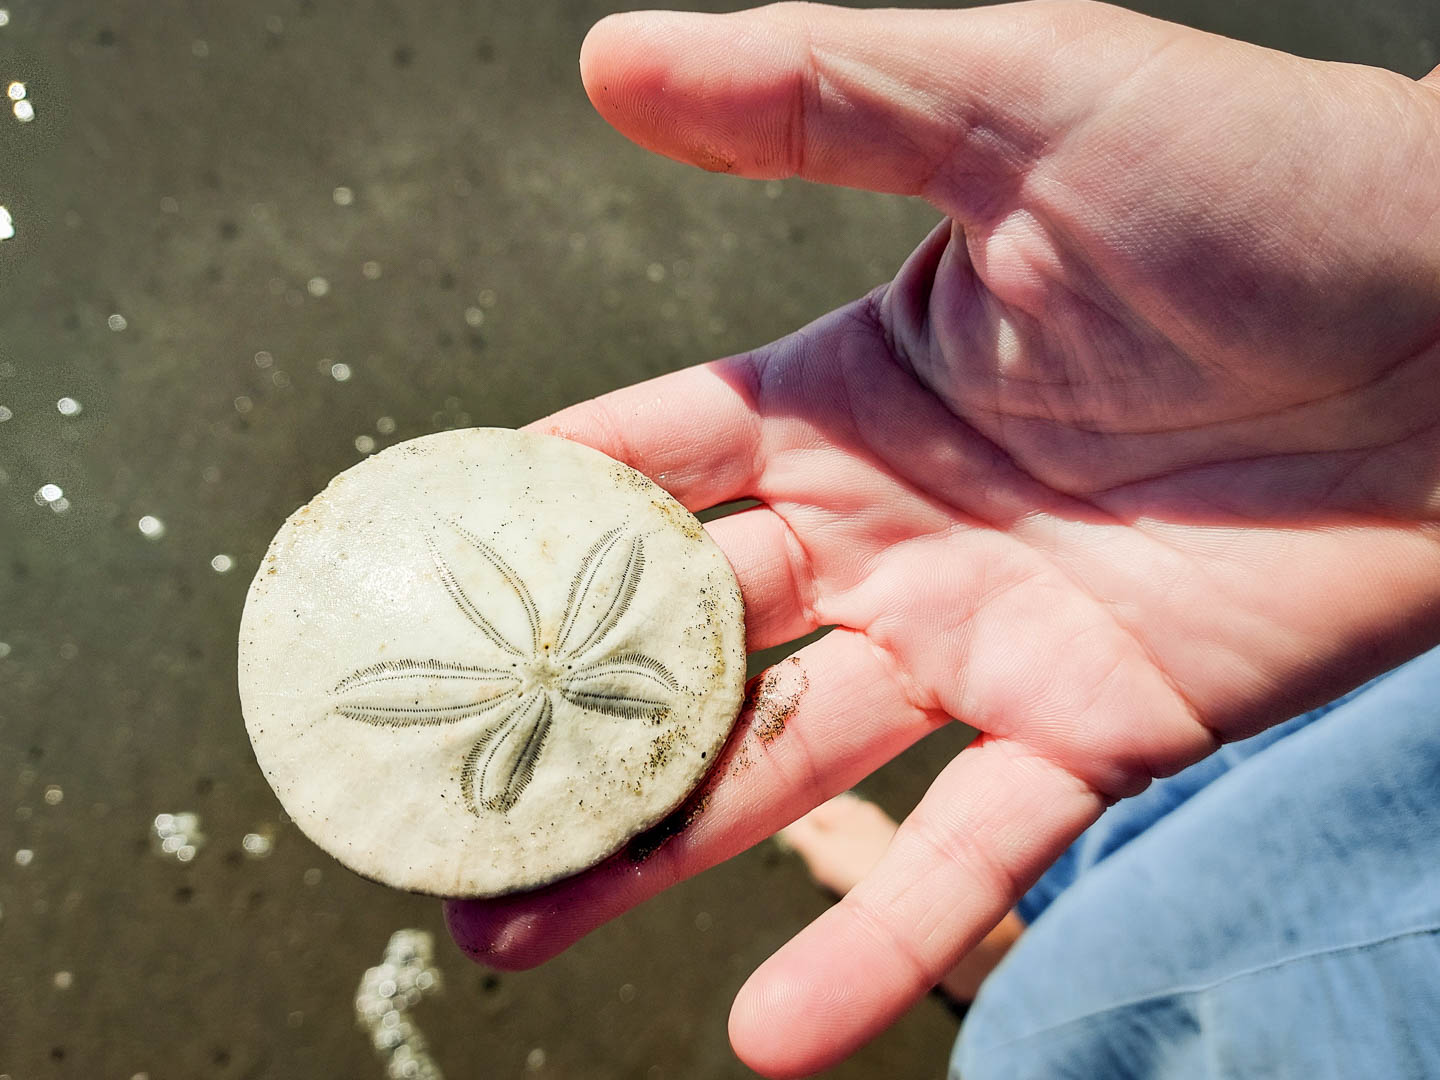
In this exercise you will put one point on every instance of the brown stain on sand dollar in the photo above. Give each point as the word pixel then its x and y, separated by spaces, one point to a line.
pixel 676 515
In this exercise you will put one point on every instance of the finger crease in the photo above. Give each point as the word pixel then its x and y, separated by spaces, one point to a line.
pixel 808 84
pixel 970 857
pixel 801 570
pixel 894 945
pixel 908 690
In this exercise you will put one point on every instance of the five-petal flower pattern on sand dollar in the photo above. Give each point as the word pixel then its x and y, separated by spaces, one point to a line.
pixel 512 698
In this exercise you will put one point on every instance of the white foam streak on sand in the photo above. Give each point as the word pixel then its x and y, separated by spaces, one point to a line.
pixel 178 835
pixel 386 995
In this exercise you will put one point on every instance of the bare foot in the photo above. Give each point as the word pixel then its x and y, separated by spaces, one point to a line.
pixel 842 840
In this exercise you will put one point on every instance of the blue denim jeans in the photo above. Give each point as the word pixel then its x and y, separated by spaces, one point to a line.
pixel 1273 911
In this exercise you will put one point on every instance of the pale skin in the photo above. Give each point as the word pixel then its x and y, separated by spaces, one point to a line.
pixel 844 838
pixel 1138 453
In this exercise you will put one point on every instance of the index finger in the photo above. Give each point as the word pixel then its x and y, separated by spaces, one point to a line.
pixel 695 432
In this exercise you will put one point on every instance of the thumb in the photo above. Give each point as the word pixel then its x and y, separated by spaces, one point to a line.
pixel 904 102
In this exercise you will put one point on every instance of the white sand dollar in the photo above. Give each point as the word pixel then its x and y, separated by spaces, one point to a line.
pixel 484 660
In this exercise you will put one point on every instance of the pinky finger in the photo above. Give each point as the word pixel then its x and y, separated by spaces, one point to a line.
pixel 991 823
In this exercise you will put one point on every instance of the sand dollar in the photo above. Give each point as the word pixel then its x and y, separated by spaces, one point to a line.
pixel 483 660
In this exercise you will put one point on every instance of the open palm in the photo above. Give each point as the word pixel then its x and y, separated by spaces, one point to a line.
pixel 1138 453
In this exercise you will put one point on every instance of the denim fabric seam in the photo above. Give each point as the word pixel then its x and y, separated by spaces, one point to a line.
pixel 1186 991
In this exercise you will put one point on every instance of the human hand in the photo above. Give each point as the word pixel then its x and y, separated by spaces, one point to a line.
pixel 1137 454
